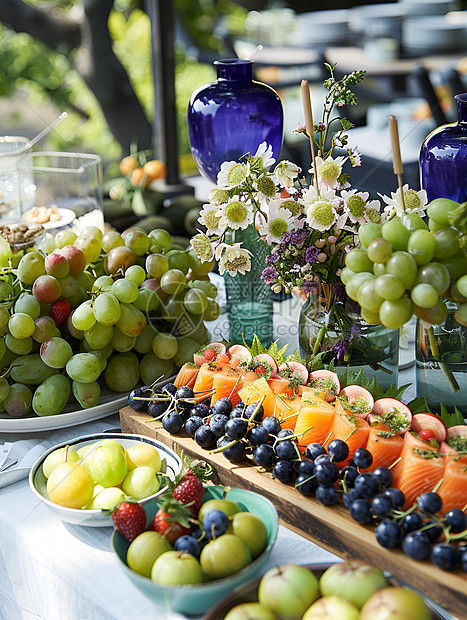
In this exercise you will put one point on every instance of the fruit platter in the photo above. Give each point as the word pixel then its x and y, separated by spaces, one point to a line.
pixel 347 464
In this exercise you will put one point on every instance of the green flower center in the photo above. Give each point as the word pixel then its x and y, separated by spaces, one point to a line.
pixel 256 163
pixel 277 227
pixel 236 174
pixel 294 207
pixel 237 263
pixel 323 213
pixel 329 171
pixel 211 221
pixel 412 201
pixel 356 206
pixel 266 186
pixel 218 197
pixel 236 211
pixel 373 215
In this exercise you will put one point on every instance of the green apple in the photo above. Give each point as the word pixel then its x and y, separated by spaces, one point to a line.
pixel 250 611
pixel 356 583
pixel 251 530
pixel 106 499
pixel 143 454
pixel 144 551
pixel 288 590
pixel 108 465
pixel 224 505
pixel 57 457
pixel 141 482
pixel 224 556
pixel 395 604
pixel 70 485
pixel 176 568
pixel 332 608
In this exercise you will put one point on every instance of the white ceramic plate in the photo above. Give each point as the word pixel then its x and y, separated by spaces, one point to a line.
pixel 66 217
pixel 109 403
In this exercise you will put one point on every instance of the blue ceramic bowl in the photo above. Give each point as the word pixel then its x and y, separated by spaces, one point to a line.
pixel 196 599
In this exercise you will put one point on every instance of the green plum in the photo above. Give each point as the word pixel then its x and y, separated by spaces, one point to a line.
pixel 144 551
pixel 395 604
pixel 224 556
pixel 356 583
pixel 141 482
pixel 250 611
pixel 106 499
pixel 57 457
pixel 224 505
pixel 175 568
pixel 249 528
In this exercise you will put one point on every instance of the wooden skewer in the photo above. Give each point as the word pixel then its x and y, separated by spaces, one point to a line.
pixel 308 111
pixel 396 155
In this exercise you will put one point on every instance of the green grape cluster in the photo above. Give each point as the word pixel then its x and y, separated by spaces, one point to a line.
pixel 134 309
pixel 407 267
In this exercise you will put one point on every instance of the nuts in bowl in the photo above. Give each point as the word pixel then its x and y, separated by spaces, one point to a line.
pixel 22 236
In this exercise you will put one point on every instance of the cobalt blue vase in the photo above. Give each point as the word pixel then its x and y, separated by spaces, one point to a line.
pixel 443 158
pixel 232 117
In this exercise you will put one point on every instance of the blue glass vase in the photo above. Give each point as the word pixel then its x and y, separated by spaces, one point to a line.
pixel 443 158
pixel 232 117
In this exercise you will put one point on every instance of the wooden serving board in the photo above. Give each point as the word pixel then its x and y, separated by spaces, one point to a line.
pixel 329 526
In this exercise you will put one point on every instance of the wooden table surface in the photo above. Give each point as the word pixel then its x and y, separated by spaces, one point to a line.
pixel 329 526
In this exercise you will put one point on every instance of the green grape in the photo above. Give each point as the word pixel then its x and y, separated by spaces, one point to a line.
pixel 379 269
pixel 440 209
pixel 434 226
pixel 177 259
pixel 30 267
pixel 138 242
pixel 413 222
pixel 51 396
pixel 19 399
pixel 89 246
pixel 462 285
pixel 421 246
pixel 47 245
pixel 187 346
pixel 212 312
pixel 93 231
pixel 457 265
pixel 125 290
pixel 164 346
pixel 86 280
pixel 28 304
pixel 122 372
pixel 447 243
pixel 206 286
pixel 106 309
pixel 379 251
pixel 112 239
pixel 98 336
pixel 152 368
pixel 370 317
pixel 143 343
pixel 357 260
pixel 21 325
pixel 132 321
pixel 83 367
pixel 435 315
pixel 136 274
pixel 4 388
pixel 106 350
pixel 5 252
pixel 83 317
pixel 156 265
pixel 456 295
pixel 173 281
pixel 368 232
pixel 65 237
pixel 6 291
pixel 435 274
pixel 353 285
pixel 389 287
pixel 21 346
pixel 197 267
pixel 101 356
pixel 396 312
pixel 2 349
pixel 367 296
pixel 461 314
pixel 404 267
pixel 69 286
pixel 102 283
pixel 147 300
pixel 55 352
pixel 122 342
pixel 397 234
pixel 424 295
pixel 31 370
pixel 87 394
pixel 161 241
pixel 44 328
pixel 4 318
pixel 346 274
pixel 196 301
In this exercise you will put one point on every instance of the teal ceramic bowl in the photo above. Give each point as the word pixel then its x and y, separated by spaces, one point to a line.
pixel 197 599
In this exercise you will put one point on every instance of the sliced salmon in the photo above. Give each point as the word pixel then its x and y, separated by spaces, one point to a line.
pixel 187 375
pixel 349 428
pixel 259 389
pixel 288 419
pixel 203 383
pixel 226 384
pixel 280 386
pixel 314 420
pixel 385 447
pixel 420 468
pixel 453 490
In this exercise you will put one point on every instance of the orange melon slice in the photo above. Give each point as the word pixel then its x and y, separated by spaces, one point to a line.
pixel 453 490
pixel 289 418
pixel 258 389
pixel 203 383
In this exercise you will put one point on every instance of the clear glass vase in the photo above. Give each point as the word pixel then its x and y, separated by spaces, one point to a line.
pixel 248 298
pixel 441 363
pixel 330 323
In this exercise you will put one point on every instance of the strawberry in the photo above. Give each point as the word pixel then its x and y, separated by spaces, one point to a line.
pixel 171 520
pixel 59 311
pixel 209 354
pixel 188 484
pixel 129 519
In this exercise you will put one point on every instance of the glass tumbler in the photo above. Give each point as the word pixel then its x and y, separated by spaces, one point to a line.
pixel 15 169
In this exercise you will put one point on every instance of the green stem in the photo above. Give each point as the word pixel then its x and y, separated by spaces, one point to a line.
pixel 447 372
pixel 319 340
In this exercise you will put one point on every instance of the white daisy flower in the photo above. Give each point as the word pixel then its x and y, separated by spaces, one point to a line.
pixel 232 174
pixel 278 221
pixel 415 202
pixel 203 247
pixel 208 217
pixel 218 196
pixel 321 215
pixel 285 173
pixel 233 258
pixel 294 206
pixel 329 170
pixel 311 195
pixel 264 152
pixel 235 214
pixel 356 205
pixel 265 187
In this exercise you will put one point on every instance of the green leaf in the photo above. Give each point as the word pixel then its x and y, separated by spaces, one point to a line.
pixel 256 347
pixel 276 353
pixel 419 405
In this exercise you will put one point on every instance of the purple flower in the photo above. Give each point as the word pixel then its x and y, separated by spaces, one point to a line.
pixel 272 258
pixel 269 274
pixel 308 286
pixel 355 333
pixel 340 349
pixel 311 254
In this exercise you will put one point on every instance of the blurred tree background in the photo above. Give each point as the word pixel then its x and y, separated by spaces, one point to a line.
pixel 93 59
